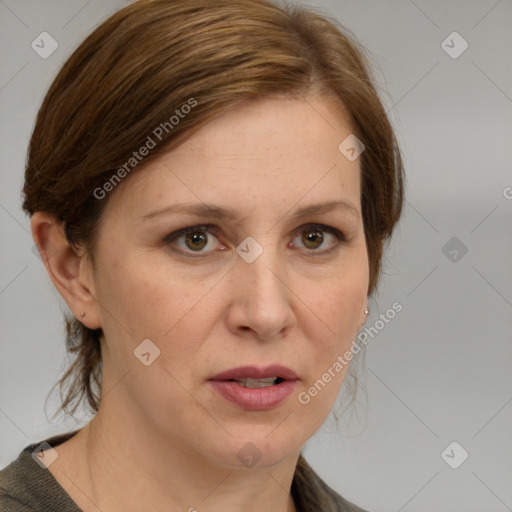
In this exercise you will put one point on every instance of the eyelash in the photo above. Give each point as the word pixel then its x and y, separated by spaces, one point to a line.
pixel 208 228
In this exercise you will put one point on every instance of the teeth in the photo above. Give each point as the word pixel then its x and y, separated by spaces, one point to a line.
pixel 256 383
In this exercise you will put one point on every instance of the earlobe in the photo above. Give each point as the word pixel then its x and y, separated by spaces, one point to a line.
pixel 68 268
pixel 364 317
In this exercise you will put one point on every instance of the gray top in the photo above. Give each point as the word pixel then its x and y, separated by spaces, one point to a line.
pixel 25 486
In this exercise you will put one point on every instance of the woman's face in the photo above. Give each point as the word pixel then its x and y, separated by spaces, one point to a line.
pixel 255 283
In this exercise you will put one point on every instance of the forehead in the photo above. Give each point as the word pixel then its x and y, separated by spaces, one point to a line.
pixel 273 131
pixel 264 153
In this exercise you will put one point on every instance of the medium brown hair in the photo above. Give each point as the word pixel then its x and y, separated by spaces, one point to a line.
pixel 132 73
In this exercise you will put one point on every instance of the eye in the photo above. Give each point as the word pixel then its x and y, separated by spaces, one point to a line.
pixel 313 237
pixel 195 239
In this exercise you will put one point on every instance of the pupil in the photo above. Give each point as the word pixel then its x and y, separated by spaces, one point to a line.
pixel 313 237
pixel 195 238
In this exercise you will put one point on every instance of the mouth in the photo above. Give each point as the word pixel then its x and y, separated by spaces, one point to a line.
pixel 258 383
pixel 255 388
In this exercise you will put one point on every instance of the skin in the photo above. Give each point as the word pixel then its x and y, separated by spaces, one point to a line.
pixel 163 439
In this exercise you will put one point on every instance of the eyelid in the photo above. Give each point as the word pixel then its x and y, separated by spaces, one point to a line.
pixel 212 229
pixel 190 229
pixel 339 235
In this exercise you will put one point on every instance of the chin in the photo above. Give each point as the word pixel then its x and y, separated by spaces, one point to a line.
pixel 254 448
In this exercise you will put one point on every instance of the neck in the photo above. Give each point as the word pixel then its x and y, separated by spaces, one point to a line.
pixel 124 467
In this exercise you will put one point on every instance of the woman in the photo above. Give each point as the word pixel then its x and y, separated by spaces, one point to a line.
pixel 210 186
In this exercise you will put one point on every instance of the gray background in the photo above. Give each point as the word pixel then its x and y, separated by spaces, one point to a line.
pixel 440 371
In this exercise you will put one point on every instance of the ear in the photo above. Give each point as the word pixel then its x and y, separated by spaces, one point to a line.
pixel 69 269
pixel 363 318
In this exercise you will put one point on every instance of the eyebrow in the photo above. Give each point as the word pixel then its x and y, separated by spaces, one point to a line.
pixel 223 213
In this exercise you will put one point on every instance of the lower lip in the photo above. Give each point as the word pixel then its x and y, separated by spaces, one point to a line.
pixel 254 399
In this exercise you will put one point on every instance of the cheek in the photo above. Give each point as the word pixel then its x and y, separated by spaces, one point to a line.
pixel 331 325
pixel 161 305
pixel 141 293
pixel 337 302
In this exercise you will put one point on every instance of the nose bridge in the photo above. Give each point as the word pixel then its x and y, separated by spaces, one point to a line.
pixel 263 273
pixel 261 293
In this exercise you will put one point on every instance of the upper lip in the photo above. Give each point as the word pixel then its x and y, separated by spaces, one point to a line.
pixel 257 372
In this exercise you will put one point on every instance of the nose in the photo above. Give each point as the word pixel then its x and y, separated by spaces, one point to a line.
pixel 260 297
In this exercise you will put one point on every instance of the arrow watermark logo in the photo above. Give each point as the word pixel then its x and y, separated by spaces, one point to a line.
pixel 45 455
pixel 44 45
pixel 454 45
pixel 249 455
pixel 146 352
pixel 351 147
pixel 454 250
pixel 454 455
pixel 249 249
